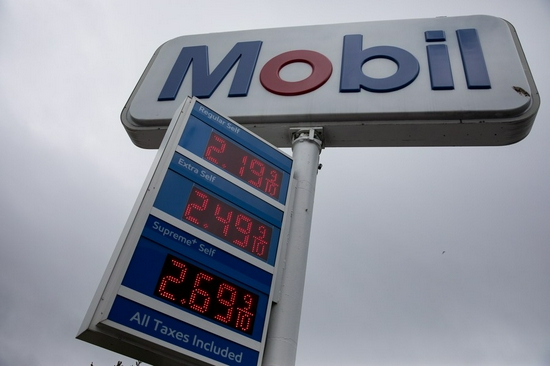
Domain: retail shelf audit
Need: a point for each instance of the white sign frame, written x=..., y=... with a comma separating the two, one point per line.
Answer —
x=414, y=115
x=98, y=327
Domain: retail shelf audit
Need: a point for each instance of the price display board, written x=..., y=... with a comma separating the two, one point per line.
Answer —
x=192, y=278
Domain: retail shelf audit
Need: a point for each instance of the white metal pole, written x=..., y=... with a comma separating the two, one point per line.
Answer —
x=284, y=323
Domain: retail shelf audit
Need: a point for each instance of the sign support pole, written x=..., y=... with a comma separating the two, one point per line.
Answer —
x=284, y=323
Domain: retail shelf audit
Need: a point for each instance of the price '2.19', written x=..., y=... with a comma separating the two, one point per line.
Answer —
x=243, y=165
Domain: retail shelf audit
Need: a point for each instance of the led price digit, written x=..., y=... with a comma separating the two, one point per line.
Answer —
x=190, y=287
x=243, y=165
x=228, y=223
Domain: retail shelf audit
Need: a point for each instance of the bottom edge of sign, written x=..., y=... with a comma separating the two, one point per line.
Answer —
x=401, y=133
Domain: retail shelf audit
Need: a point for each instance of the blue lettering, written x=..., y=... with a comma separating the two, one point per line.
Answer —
x=439, y=63
x=204, y=83
x=352, y=78
x=441, y=76
x=475, y=68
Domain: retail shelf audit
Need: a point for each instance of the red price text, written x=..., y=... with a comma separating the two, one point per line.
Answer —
x=243, y=165
x=228, y=223
x=190, y=287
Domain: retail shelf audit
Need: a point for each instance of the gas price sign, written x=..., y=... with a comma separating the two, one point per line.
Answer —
x=244, y=166
x=191, y=280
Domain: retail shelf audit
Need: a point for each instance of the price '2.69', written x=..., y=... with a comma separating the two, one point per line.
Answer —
x=187, y=286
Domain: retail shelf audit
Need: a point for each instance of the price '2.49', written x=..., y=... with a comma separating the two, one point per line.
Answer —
x=228, y=223
x=200, y=291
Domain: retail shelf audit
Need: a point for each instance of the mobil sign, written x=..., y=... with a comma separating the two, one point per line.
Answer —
x=422, y=82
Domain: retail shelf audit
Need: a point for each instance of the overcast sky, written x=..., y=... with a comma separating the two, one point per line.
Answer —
x=379, y=291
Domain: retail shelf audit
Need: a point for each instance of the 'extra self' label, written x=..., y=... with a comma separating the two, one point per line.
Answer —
x=342, y=76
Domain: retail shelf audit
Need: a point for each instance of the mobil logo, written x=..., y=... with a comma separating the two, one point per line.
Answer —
x=244, y=56
x=410, y=82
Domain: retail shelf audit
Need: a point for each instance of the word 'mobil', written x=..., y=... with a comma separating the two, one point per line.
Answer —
x=352, y=78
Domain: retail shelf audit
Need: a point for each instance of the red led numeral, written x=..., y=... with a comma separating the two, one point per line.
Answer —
x=244, y=317
x=222, y=220
x=217, y=149
x=171, y=279
x=260, y=244
x=257, y=168
x=225, y=291
x=271, y=186
x=241, y=169
x=243, y=224
x=194, y=206
x=189, y=287
x=200, y=292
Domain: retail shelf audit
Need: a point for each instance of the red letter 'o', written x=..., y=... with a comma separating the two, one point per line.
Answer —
x=270, y=79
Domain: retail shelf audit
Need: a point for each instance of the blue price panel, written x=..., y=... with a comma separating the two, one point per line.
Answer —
x=234, y=150
x=189, y=284
x=177, y=268
x=160, y=326
x=198, y=197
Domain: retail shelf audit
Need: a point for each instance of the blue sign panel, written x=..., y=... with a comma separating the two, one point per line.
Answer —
x=194, y=273
x=188, y=284
x=165, y=328
x=238, y=152
x=247, y=222
x=178, y=241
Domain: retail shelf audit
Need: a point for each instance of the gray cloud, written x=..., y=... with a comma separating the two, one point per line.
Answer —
x=379, y=291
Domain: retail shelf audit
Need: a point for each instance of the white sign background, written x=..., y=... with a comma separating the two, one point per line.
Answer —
x=269, y=114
